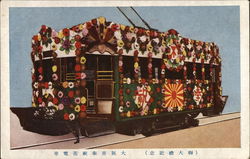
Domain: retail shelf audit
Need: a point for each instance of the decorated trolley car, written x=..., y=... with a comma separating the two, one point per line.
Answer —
x=131, y=77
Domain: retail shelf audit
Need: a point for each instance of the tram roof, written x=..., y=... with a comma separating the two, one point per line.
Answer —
x=99, y=36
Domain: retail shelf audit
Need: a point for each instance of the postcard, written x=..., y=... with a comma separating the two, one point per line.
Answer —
x=116, y=79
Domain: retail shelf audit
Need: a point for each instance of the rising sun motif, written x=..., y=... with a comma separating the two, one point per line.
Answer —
x=173, y=95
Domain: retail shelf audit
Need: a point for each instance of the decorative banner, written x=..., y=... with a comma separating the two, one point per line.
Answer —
x=142, y=98
x=174, y=96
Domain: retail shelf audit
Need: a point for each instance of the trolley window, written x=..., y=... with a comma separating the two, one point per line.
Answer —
x=128, y=66
x=156, y=68
x=104, y=63
x=174, y=74
x=190, y=74
x=207, y=72
x=143, y=63
x=198, y=71
x=47, y=71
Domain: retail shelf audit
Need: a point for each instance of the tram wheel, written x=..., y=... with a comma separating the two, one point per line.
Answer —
x=194, y=115
x=148, y=130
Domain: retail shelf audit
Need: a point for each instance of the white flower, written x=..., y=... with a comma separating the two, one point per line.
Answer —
x=121, y=109
x=50, y=104
x=35, y=85
x=156, y=40
x=71, y=84
x=71, y=116
x=50, y=85
x=143, y=38
x=118, y=35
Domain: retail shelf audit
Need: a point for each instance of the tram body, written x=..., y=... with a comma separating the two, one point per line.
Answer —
x=130, y=76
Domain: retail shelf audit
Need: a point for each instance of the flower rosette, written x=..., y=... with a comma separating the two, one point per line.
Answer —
x=45, y=33
x=66, y=41
x=175, y=58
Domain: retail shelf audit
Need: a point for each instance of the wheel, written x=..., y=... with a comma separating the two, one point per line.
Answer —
x=133, y=131
x=194, y=115
x=148, y=130
x=185, y=122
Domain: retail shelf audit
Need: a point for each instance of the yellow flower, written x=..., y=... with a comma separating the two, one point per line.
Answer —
x=132, y=29
x=184, y=53
x=122, y=27
x=120, y=43
x=177, y=60
x=56, y=107
x=77, y=108
x=101, y=20
x=54, y=68
x=170, y=41
x=164, y=43
x=162, y=34
x=80, y=26
x=149, y=88
x=60, y=35
x=83, y=100
x=149, y=47
x=39, y=37
x=208, y=104
x=203, y=69
x=65, y=84
x=128, y=114
x=33, y=104
x=155, y=111
x=83, y=60
x=136, y=65
x=202, y=55
x=54, y=47
x=147, y=32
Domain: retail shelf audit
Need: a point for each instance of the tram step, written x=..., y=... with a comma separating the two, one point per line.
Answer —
x=98, y=128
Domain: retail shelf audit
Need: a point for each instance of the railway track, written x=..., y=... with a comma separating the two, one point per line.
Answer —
x=100, y=141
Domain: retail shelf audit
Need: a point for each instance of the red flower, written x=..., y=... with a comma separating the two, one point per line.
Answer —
x=94, y=21
x=151, y=100
x=46, y=85
x=55, y=100
x=136, y=53
x=89, y=25
x=35, y=37
x=158, y=90
x=78, y=52
x=120, y=92
x=78, y=75
x=66, y=116
x=77, y=37
x=77, y=68
x=143, y=81
x=66, y=32
x=40, y=100
x=172, y=31
x=57, y=40
x=76, y=28
x=163, y=66
x=71, y=94
x=83, y=108
x=40, y=70
x=78, y=44
x=114, y=27
x=43, y=28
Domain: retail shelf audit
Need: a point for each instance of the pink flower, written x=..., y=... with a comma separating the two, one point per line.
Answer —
x=54, y=34
x=60, y=106
x=85, y=32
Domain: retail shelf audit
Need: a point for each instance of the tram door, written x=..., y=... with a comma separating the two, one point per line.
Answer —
x=100, y=84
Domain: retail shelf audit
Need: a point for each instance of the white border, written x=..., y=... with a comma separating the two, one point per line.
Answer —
x=242, y=152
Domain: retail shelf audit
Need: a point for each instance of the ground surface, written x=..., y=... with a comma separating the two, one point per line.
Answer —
x=208, y=135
